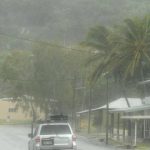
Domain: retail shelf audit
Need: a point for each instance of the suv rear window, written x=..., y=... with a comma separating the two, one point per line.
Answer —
x=55, y=129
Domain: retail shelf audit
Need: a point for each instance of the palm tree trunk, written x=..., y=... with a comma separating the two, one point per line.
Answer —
x=142, y=79
x=89, y=115
x=125, y=94
x=123, y=90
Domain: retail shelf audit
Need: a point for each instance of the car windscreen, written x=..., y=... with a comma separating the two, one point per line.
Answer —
x=55, y=129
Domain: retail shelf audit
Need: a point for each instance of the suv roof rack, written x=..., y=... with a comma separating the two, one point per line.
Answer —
x=59, y=118
x=54, y=118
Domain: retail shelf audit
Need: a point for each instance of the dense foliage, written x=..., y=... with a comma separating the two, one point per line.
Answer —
x=61, y=20
x=58, y=79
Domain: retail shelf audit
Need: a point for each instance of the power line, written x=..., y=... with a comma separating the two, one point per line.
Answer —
x=41, y=80
x=44, y=42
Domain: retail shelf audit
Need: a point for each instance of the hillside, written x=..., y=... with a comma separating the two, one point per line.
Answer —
x=65, y=21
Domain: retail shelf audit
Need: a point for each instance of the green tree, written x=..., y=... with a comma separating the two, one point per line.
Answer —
x=101, y=40
x=53, y=70
x=16, y=72
x=129, y=56
x=131, y=53
x=98, y=40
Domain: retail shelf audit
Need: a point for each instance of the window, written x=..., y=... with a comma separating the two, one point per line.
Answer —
x=55, y=129
x=12, y=110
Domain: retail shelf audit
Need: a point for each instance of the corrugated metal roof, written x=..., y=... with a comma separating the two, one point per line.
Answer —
x=132, y=109
x=135, y=117
x=84, y=111
x=119, y=104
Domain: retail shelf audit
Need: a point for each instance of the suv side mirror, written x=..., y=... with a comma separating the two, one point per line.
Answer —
x=30, y=135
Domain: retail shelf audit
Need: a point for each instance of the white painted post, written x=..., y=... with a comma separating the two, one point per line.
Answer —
x=135, y=137
x=144, y=128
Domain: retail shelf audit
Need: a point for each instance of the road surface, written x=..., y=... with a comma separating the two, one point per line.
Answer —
x=15, y=138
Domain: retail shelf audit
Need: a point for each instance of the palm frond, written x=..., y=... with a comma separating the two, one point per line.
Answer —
x=131, y=32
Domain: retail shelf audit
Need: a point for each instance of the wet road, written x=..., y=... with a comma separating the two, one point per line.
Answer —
x=15, y=138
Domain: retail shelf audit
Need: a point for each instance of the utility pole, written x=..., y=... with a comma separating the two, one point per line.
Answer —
x=107, y=110
x=89, y=116
x=73, y=103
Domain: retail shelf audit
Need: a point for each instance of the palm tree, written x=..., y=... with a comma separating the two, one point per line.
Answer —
x=121, y=51
x=132, y=48
x=125, y=49
x=130, y=57
x=98, y=40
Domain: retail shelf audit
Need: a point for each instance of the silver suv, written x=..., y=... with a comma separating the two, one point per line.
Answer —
x=53, y=136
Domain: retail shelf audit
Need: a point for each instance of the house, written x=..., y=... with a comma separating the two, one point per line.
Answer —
x=127, y=118
x=10, y=113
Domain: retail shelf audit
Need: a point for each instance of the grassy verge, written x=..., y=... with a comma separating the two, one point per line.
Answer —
x=15, y=122
x=140, y=146
x=143, y=146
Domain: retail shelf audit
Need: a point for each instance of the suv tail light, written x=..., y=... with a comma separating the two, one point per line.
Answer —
x=74, y=137
x=37, y=139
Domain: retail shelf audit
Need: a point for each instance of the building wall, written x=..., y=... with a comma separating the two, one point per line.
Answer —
x=8, y=112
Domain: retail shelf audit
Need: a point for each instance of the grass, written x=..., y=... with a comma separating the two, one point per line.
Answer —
x=143, y=146
x=15, y=122
x=140, y=146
